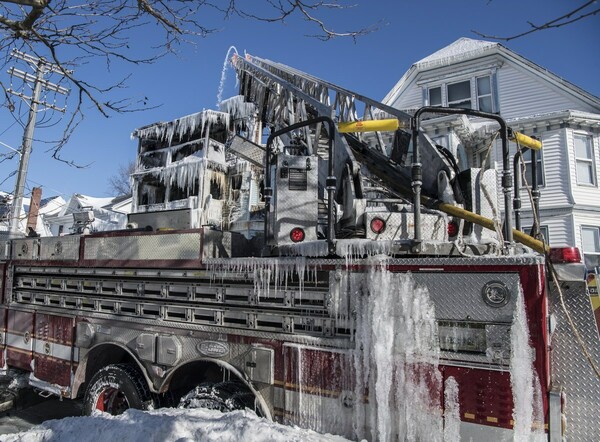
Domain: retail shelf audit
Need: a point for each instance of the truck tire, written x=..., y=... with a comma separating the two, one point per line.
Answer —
x=116, y=388
x=223, y=396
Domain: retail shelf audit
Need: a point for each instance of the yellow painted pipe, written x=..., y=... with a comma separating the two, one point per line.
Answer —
x=368, y=126
x=519, y=236
x=526, y=141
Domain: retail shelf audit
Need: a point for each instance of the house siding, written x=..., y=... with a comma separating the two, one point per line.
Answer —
x=522, y=94
x=555, y=191
x=411, y=98
x=559, y=224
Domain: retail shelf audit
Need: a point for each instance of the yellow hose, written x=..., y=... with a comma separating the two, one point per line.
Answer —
x=519, y=236
x=368, y=126
x=526, y=141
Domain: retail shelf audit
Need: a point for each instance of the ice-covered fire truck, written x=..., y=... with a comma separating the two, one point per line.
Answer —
x=344, y=274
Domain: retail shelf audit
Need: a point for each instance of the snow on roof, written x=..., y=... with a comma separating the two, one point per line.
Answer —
x=169, y=425
x=95, y=203
x=461, y=49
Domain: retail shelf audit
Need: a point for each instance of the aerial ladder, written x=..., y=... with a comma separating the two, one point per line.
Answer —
x=387, y=141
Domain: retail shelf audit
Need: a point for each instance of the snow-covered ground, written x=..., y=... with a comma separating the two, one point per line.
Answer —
x=167, y=424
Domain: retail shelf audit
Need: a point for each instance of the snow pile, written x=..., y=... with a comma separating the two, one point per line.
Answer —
x=166, y=425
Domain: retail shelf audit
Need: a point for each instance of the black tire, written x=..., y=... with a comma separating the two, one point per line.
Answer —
x=224, y=396
x=116, y=388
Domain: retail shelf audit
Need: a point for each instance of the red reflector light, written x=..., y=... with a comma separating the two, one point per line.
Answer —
x=452, y=228
x=565, y=254
x=377, y=225
x=297, y=234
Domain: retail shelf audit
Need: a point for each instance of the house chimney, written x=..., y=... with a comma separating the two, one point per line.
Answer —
x=34, y=208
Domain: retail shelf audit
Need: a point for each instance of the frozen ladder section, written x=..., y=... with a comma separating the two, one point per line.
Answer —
x=284, y=96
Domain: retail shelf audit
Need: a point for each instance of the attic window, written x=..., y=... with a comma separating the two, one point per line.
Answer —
x=459, y=94
x=435, y=96
x=474, y=93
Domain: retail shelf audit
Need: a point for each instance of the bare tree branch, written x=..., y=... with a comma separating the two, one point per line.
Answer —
x=119, y=183
x=558, y=22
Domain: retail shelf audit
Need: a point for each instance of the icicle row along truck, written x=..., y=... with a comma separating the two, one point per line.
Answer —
x=347, y=276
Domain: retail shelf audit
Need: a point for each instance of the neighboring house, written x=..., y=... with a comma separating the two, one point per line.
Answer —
x=489, y=77
x=105, y=214
x=48, y=207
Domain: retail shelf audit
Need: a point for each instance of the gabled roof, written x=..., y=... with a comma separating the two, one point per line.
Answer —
x=465, y=49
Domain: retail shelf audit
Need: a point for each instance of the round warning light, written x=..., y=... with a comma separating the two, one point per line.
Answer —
x=297, y=234
x=377, y=225
x=452, y=228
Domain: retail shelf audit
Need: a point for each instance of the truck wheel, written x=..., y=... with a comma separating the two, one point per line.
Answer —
x=115, y=389
x=224, y=396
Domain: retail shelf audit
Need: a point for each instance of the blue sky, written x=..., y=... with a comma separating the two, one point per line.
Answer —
x=187, y=83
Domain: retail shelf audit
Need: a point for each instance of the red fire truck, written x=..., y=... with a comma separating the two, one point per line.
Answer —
x=344, y=275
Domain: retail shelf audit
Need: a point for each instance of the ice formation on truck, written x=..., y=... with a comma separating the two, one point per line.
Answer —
x=308, y=253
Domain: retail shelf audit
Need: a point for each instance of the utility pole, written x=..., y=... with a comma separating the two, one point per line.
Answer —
x=42, y=67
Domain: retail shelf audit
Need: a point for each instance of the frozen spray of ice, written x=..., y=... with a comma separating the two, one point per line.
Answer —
x=523, y=378
x=451, y=411
x=396, y=359
x=224, y=73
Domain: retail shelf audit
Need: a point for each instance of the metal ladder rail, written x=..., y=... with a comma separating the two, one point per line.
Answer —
x=318, y=90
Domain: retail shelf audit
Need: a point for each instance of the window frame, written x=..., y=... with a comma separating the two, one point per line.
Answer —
x=541, y=175
x=596, y=252
x=544, y=230
x=474, y=95
x=480, y=96
x=589, y=161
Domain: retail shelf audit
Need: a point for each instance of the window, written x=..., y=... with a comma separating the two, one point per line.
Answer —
x=584, y=159
x=435, y=96
x=460, y=94
x=543, y=231
x=590, y=243
x=484, y=94
x=539, y=168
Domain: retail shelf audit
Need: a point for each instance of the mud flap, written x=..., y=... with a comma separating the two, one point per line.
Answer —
x=570, y=369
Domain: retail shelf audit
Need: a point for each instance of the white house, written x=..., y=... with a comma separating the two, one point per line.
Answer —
x=487, y=76
x=49, y=207
x=105, y=214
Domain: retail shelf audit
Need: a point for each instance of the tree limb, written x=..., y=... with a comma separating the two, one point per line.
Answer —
x=558, y=22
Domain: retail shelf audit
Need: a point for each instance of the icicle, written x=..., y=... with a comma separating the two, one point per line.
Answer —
x=182, y=126
x=523, y=378
x=451, y=411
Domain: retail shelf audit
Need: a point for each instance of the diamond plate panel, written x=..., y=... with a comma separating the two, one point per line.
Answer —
x=144, y=247
x=25, y=249
x=248, y=150
x=570, y=368
x=296, y=208
x=59, y=248
x=457, y=296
